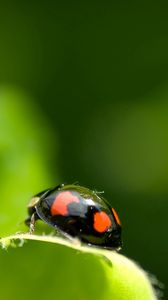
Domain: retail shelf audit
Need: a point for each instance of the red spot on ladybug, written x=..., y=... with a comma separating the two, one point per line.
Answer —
x=116, y=216
x=60, y=203
x=102, y=222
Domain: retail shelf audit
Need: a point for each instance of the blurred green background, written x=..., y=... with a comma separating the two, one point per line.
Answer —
x=83, y=97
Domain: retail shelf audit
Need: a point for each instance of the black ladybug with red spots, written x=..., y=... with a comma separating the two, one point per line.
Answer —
x=77, y=212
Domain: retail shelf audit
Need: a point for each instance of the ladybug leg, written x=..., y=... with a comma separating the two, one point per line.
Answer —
x=31, y=222
x=27, y=221
x=73, y=240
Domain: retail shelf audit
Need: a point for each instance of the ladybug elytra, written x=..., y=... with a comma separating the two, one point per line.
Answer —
x=77, y=212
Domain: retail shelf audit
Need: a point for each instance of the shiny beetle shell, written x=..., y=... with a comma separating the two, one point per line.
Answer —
x=77, y=212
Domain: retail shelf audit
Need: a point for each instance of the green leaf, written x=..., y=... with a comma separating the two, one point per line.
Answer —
x=124, y=279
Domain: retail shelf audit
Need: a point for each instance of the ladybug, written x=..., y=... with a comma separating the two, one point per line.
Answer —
x=77, y=212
